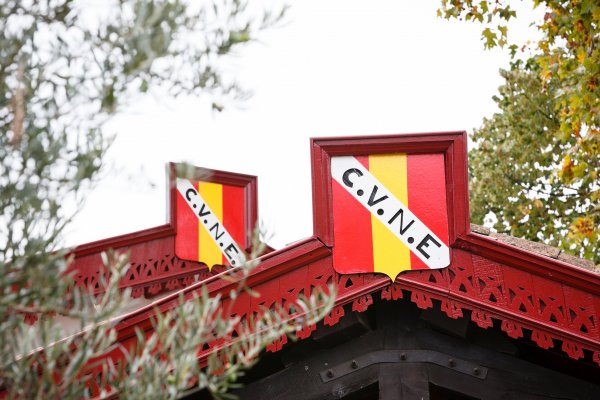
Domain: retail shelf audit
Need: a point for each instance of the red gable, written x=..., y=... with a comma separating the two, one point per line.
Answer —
x=534, y=292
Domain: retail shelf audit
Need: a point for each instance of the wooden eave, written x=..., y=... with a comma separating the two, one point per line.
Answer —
x=545, y=299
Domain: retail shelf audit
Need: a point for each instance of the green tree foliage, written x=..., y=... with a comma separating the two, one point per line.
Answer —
x=549, y=127
x=64, y=70
x=63, y=75
x=515, y=166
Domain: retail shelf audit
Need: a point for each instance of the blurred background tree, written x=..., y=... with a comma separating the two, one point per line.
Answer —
x=535, y=166
x=66, y=67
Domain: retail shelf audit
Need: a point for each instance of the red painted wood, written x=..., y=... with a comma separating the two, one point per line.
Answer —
x=530, y=262
x=472, y=282
x=251, y=210
x=535, y=297
x=321, y=189
x=271, y=267
x=517, y=266
x=126, y=240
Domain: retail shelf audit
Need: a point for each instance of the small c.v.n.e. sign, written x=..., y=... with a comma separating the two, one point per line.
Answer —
x=209, y=235
x=215, y=215
x=389, y=213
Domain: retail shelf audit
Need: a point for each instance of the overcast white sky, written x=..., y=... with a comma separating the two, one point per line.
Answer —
x=343, y=67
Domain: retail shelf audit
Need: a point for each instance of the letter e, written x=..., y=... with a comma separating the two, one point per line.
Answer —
x=230, y=248
x=423, y=243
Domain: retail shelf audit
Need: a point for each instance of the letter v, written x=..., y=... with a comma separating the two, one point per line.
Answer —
x=202, y=213
x=372, y=201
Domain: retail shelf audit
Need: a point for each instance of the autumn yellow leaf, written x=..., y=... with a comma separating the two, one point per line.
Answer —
x=581, y=55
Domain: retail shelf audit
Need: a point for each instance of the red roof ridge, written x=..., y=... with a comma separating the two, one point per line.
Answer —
x=537, y=248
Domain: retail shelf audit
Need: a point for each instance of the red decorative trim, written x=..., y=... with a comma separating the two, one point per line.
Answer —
x=512, y=329
x=482, y=319
x=334, y=316
x=519, y=299
x=534, y=263
x=596, y=357
x=30, y=318
x=362, y=303
x=452, y=309
x=306, y=331
x=543, y=339
x=572, y=349
x=528, y=294
x=522, y=301
x=391, y=292
x=265, y=279
x=277, y=344
x=422, y=300
x=124, y=241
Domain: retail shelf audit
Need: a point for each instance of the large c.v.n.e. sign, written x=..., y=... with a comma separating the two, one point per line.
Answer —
x=389, y=213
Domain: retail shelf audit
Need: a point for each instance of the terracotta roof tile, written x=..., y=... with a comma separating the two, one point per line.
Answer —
x=579, y=262
x=482, y=230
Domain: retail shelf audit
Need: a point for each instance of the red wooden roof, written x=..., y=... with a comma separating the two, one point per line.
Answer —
x=533, y=290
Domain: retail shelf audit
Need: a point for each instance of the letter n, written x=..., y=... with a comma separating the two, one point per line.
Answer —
x=216, y=228
x=403, y=228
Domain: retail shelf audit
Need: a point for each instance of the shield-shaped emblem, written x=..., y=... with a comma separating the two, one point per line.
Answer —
x=214, y=219
x=389, y=213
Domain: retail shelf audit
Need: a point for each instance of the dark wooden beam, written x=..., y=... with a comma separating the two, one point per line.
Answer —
x=408, y=358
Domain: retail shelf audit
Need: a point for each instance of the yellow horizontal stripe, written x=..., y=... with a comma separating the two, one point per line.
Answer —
x=208, y=251
x=390, y=255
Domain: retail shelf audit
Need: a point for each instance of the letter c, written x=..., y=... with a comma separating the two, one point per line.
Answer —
x=345, y=178
x=187, y=193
